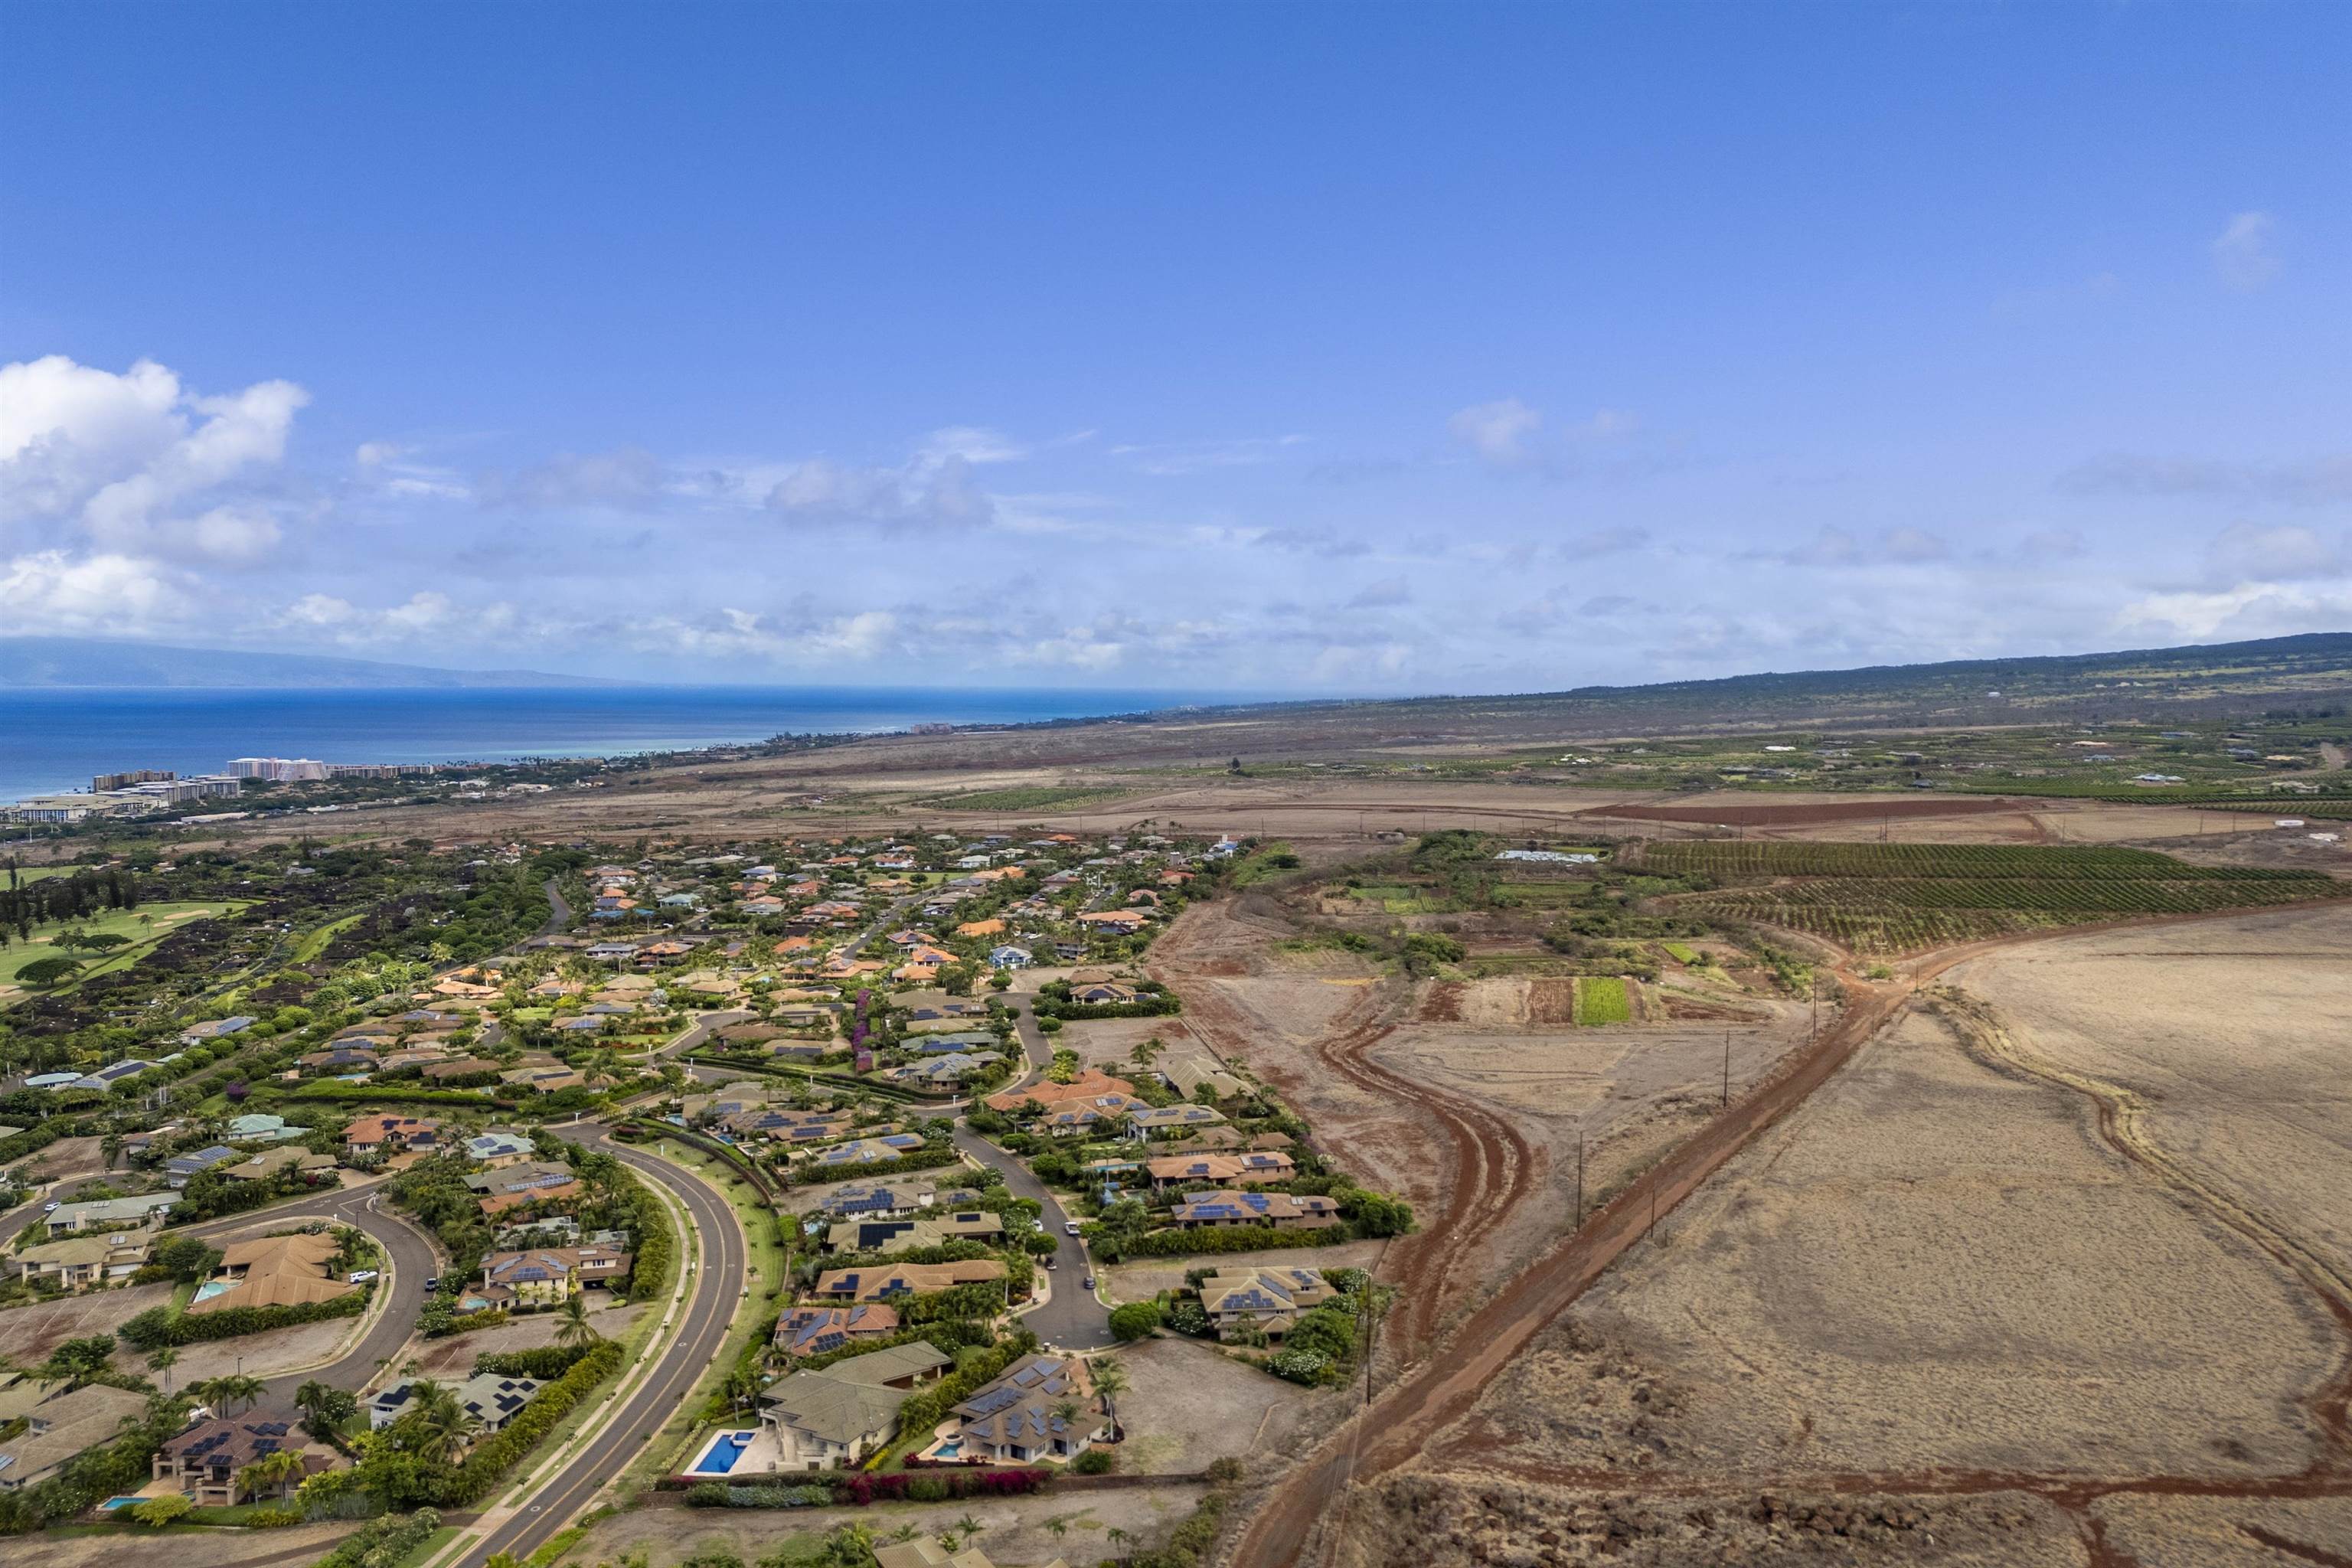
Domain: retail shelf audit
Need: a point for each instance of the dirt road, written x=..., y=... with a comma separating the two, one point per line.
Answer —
x=1442, y=1390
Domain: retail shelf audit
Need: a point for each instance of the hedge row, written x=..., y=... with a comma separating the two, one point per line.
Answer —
x=1230, y=1238
x=544, y=1364
x=158, y=1326
x=379, y=1094
x=496, y=1454
x=933, y=1486
x=717, y=1494
x=928, y=1408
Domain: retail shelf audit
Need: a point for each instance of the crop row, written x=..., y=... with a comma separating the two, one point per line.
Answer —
x=1762, y=857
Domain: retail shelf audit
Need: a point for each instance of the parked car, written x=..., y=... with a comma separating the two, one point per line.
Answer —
x=432, y=1283
x=362, y=1276
x=1070, y=1227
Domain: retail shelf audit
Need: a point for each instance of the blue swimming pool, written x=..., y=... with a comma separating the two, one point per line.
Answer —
x=720, y=1456
x=211, y=1288
x=110, y=1504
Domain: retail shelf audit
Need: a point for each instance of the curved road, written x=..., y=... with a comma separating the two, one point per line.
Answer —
x=716, y=1288
x=412, y=1261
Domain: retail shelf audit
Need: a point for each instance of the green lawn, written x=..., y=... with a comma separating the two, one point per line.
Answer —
x=145, y=926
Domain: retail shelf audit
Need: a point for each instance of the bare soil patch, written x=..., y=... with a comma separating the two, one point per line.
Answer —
x=453, y=1357
x=1932, y=1266
x=1191, y=1404
x=2236, y=1034
x=1012, y=1529
x=27, y=1334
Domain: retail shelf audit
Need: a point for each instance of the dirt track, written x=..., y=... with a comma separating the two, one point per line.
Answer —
x=1440, y=1390
x=1492, y=1166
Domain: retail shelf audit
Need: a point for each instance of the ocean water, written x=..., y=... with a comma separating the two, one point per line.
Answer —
x=54, y=740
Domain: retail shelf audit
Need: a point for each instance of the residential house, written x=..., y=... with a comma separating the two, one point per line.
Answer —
x=78, y=1261
x=1045, y=1095
x=273, y=1271
x=256, y=1127
x=924, y=1552
x=57, y=1429
x=1188, y=1073
x=210, y=1459
x=1103, y=993
x=820, y=1330
x=378, y=1133
x=459, y=1067
x=848, y=1156
x=214, y=1030
x=112, y=1073
x=1220, y=1170
x=1013, y=1419
x=542, y=1276
x=1268, y=1300
x=1166, y=1120
x=144, y=1212
x=498, y=1150
x=180, y=1167
x=1009, y=957
x=1118, y=923
x=839, y=1416
x=532, y=1182
x=491, y=1400
x=890, y=1237
x=885, y=1282
x=339, y=1060
x=860, y=1200
x=271, y=1161
x=1283, y=1211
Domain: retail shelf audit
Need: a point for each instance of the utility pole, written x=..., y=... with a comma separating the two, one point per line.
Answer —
x=1726, y=1067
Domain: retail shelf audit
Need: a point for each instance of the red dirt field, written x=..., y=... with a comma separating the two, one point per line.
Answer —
x=1812, y=814
x=1437, y=1392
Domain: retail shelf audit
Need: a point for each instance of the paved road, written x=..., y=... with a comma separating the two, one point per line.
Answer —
x=413, y=1261
x=32, y=1208
x=1072, y=1319
x=716, y=1288
x=559, y=912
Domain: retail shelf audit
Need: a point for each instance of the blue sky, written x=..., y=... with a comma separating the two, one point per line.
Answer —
x=1281, y=347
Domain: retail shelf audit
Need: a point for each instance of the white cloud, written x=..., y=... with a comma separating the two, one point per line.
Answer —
x=116, y=595
x=2245, y=610
x=426, y=615
x=2243, y=254
x=1496, y=431
x=1386, y=593
x=2311, y=482
x=2247, y=552
x=118, y=455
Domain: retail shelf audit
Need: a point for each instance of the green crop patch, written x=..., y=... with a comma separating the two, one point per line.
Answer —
x=1602, y=999
x=1902, y=897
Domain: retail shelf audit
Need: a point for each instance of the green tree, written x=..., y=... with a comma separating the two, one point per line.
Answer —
x=161, y=1510
x=573, y=1328
x=162, y=1363
x=1134, y=1319
x=80, y=1360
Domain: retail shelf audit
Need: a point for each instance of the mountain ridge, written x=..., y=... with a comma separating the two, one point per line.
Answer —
x=48, y=663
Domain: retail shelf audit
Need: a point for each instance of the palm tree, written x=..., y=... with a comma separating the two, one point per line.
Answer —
x=235, y=1388
x=1065, y=1411
x=270, y=1472
x=1057, y=1527
x=162, y=1361
x=437, y=1421
x=1110, y=1382
x=572, y=1330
